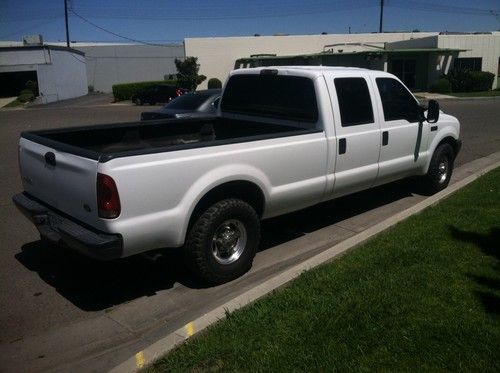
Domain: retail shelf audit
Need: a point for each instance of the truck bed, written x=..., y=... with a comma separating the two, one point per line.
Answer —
x=105, y=142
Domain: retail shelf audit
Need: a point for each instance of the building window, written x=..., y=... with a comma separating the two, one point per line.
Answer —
x=354, y=101
x=471, y=64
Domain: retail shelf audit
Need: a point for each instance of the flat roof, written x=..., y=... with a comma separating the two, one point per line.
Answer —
x=370, y=52
x=41, y=47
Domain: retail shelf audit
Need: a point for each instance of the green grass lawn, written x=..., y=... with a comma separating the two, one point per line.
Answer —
x=424, y=295
x=476, y=94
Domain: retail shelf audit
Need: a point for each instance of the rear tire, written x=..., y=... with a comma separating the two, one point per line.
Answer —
x=440, y=169
x=223, y=241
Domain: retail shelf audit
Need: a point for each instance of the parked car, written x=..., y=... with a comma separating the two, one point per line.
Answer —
x=189, y=105
x=158, y=93
x=285, y=138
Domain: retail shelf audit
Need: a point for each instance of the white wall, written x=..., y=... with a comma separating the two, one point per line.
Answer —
x=486, y=46
x=65, y=77
x=217, y=55
x=113, y=64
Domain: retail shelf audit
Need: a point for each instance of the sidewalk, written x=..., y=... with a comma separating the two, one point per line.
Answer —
x=6, y=100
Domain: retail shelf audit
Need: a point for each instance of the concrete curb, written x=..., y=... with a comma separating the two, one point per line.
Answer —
x=164, y=345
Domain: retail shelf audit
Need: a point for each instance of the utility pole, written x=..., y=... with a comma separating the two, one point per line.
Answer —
x=66, y=19
x=381, y=15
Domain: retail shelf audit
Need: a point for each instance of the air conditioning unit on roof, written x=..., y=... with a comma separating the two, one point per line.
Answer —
x=32, y=40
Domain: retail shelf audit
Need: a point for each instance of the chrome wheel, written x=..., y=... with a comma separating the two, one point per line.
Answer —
x=229, y=241
x=443, y=170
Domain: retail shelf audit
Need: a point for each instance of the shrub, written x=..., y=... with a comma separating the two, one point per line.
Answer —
x=482, y=80
x=32, y=86
x=440, y=86
x=214, y=83
x=187, y=73
x=26, y=97
x=469, y=81
x=127, y=90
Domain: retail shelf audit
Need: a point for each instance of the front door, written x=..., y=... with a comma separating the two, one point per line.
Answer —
x=406, y=70
x=403, y=136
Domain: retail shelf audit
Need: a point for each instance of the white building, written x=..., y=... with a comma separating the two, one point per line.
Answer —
x=60, y=72
x=419, y=57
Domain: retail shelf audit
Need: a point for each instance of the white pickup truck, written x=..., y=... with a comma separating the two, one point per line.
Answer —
x=285, y=138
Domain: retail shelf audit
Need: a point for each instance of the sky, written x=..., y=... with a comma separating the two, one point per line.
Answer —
x=167, y=21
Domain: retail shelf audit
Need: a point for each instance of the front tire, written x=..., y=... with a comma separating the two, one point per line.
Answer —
x=440, y=169
x=223, y=241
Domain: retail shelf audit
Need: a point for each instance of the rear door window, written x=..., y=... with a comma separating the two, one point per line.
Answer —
x=274, y=96
x=354, y=101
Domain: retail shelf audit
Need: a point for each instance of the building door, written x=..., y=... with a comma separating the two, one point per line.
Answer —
x=405, y=69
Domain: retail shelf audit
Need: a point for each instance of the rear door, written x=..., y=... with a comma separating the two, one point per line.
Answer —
x=62, y=180
x=357, y=131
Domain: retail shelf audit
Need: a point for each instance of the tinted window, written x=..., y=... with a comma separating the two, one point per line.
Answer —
x=354, y=101
x=397, y=102
x=188, y=101
x=275, y=96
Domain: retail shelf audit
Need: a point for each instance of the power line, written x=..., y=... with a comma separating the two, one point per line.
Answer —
x=214, y=13
x=114, y=33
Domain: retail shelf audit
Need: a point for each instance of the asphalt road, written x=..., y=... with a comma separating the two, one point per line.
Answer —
x=62, y=311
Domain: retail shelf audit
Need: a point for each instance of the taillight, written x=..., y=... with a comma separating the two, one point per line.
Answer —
x=108, y=200
x=178, y=92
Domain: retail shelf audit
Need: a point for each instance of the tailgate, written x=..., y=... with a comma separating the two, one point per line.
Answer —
x=64, y=181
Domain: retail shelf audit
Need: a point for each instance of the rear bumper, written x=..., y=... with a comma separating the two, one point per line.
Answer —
x=59, y=229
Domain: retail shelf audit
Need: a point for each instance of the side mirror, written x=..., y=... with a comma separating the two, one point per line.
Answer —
x=432, y=111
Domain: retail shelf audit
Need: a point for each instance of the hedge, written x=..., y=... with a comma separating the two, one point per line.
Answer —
x=440, y=86
x=127, y=90
x=470, y=81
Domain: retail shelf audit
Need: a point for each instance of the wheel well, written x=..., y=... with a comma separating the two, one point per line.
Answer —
x=244, y=190
x=452, y=142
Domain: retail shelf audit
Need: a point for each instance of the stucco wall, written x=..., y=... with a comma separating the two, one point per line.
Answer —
x=113, y=64
x=65, y=77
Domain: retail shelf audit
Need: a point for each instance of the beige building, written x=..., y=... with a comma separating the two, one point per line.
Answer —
x=418, y=58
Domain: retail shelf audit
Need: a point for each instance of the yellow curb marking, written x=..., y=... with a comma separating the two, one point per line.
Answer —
x=139, y=359
x=189, y=329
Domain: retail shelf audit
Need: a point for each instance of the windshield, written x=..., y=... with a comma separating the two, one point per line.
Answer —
x=190, y=101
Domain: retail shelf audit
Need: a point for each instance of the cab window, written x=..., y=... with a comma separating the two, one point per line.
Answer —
x=397, y=102
x=354, y=101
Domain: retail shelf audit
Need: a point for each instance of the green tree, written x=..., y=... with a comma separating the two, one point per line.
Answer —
x=187, y=73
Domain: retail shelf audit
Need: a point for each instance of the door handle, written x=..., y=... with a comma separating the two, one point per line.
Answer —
x=342, y=146
x=385, y=138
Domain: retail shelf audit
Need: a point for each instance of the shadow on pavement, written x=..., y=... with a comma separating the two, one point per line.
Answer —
x=489, y=245
x=92, y=285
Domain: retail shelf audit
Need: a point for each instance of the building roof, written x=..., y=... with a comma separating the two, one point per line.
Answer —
x=366, y=52
x=41, y=47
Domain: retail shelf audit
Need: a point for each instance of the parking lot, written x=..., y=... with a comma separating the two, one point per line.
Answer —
x=61, y=310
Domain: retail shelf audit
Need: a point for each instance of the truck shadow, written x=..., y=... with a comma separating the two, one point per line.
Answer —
x=92, y=285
